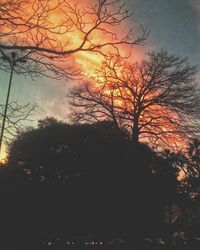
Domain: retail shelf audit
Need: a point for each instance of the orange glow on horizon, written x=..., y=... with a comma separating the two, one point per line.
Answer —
x=3, y=156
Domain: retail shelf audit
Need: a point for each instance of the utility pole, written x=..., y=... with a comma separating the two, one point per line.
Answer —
x=13, y=62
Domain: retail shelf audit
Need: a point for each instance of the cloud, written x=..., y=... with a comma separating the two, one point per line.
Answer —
x=51, y=99
x=53, y=107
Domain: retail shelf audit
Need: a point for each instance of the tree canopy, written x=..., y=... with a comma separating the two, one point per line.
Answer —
x=55, y=151
x=89, y=178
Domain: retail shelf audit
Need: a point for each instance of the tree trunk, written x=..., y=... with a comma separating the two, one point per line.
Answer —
x=135, y=130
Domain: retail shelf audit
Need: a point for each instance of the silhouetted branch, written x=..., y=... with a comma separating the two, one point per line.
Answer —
x=157, y=100
x=48, y=33
x=16, y=115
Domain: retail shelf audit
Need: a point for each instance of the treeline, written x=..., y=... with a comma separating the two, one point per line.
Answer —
x=82, y=179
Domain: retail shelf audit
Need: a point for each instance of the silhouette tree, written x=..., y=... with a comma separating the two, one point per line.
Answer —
x=194, y=158
x=48, y=33
x=156, y=100
x=109, y=181
x=190, y=164
x=63, y=149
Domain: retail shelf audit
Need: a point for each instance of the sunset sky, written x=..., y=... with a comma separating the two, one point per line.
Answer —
x=174, y=25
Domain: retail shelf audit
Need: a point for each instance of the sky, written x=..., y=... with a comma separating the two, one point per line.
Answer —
x=174, y=25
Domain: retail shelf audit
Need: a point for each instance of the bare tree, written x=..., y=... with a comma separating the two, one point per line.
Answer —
x=15, y=118
x=157, y=100
x=49, y=32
